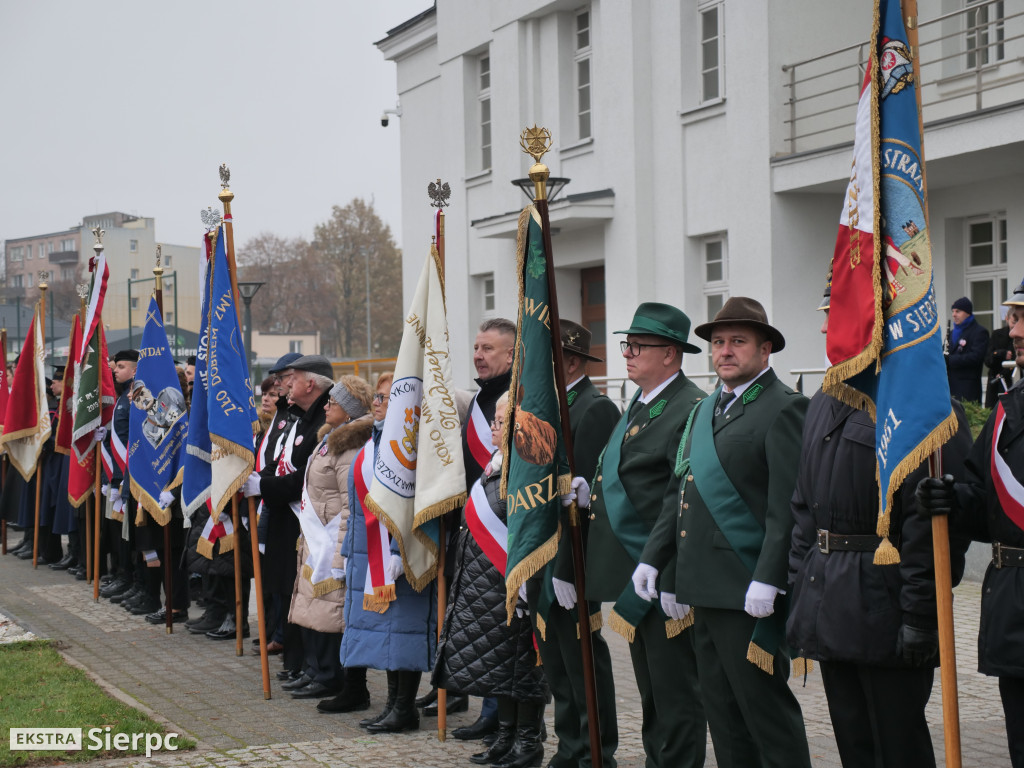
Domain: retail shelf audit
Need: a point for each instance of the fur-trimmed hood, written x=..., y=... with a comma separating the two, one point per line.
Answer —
x=352, y=434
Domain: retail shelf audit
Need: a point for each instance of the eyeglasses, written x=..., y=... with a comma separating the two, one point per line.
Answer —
x=379, y=398
x=495, y=424
x=635, y=347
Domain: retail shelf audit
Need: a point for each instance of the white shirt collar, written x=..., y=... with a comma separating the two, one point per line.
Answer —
x=570, y=386
x=657, y=390
x=742, y=388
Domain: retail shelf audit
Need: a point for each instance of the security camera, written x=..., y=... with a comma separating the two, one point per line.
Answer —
x=384, y=119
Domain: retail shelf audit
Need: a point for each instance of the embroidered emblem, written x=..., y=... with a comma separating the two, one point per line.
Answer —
x=323, y=449
x=657, y=408
x=298, y=440
x=751, y=394
x=571, y=397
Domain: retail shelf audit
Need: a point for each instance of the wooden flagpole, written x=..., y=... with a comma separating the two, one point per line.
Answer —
x=940, y=523
x=158, y=277
x=3, y=459
x=442, y=586
x=83, y=291
x=97, y=494
x=536, y=142
x=226, y=196
x=43, y=278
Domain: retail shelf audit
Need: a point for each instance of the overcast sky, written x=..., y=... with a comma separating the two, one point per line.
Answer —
x=127, y=105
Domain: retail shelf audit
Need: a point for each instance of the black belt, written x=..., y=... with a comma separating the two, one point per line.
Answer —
x=1004, y=556
x=847, y=542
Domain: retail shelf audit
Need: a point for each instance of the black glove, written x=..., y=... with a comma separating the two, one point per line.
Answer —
x=918, y=647
x=936, y=496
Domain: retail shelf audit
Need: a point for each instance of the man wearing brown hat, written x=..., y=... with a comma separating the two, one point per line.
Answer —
x=309, y=380
x=552, y=598
x=727, y=535
x=633, y=485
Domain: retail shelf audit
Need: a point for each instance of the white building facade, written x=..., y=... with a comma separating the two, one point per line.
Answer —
x=708, y=144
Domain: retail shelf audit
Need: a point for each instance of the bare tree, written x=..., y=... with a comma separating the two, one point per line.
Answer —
x=283, y=265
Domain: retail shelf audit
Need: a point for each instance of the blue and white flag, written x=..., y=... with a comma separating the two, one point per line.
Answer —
x=195, y=486
x=231, y=405
x=158, y=422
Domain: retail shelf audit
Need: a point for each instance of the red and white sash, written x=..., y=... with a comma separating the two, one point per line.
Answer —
x=478, y=434
x=120, y=450
x=1008, y=489
x=222, y=530
x=378, y=589
x=284, y=464
x=488, y=531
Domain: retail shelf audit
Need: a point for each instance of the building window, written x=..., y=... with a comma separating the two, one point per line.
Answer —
x=67, y=244
x=167, y=260
x=985, y=33
x=484, y=98
x=67, y=273
x=16, y=253
x=582, y=59
x=133, y=246
x=716, y=277
x=489, y=293
x=985, y=272
x=28, y=252
x=49, y=247
x=135, y=274
x=295, y=345
x=28, y=279
x=170, y=317
x=17, y=281
x=135, y=302
x=712, y=56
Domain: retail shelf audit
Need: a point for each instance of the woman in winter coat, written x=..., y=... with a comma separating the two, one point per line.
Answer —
x=480, y=653
x=399, y=637
x=318, y=599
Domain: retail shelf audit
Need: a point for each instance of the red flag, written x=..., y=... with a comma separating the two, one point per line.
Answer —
x=27, y=420
x=4, y=385
x=65, y=417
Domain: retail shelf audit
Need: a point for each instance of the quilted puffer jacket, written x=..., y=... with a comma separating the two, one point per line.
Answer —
x=479, y=653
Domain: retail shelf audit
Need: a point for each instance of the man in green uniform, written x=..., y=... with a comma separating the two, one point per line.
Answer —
x=634, y=481
x=552, y=597
x=724, y=543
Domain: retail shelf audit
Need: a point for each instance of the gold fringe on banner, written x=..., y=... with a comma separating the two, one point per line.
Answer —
x=227, y=543
x=675, y=627
x=761, y=659
x=324, y=587
x=204, y=547
x=620, y=625
x=542, y=629
x=527, y=567
x=801, y=667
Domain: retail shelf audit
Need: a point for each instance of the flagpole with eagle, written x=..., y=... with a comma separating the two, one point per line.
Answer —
x=3, y=411
x=44, y=278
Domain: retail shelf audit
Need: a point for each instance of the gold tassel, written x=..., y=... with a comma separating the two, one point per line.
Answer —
x=526, y=568
x=227, y=543
x=371, y=603
x=204, y=547
x=542, y=629
x=327, y=586
x=621, y=626
x=385, y=592
x=675, y=627
x=761, y=659
x=801, y=667
x=886, y=554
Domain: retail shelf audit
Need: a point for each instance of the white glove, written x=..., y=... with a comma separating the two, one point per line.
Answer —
x=251, y=487
x=105, y=490
x=395, y=569
x=520, y=612
x=643, y=581
x=673, y=609
x=580, y=493
x=115, y=494
x=100, y=433
x=166, y=499
x=565, y=593
x=760, y=601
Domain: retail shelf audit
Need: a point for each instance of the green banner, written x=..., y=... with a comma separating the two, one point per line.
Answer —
x=537, y=471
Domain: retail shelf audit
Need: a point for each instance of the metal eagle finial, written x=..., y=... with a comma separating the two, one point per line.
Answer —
x=225, y=175
x=439, y=193
x=210, y=217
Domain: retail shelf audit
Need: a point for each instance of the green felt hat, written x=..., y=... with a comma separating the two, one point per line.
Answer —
x=654, y=319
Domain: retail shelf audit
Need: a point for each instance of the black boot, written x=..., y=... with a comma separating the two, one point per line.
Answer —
x=506, y=734
x=403, y=716
x=527, y=748
x=392, y=693
x=354, y=697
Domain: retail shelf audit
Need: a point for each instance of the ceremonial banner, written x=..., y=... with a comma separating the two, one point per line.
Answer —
x=27, y=420
x=231, y=406
x=4, y=389
x=158, y=422
x=93, y=397
x=884, y=339
x=196, y=478
x=65, y=410
x=419, y=473
x=536, y=472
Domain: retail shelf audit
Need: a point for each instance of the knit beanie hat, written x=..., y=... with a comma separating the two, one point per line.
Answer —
x=354, y=395
x=964, y=305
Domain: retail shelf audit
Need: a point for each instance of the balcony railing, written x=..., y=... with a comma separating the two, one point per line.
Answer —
x=971, y=60
x=64, y=257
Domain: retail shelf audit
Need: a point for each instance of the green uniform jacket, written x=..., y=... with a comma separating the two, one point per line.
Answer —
x=646, y=469
x=758, y=444
x=592, y=417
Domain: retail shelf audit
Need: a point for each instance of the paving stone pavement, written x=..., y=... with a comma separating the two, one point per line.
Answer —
x=199, y=687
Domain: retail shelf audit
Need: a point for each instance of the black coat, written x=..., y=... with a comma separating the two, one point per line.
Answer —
x=1001, y=632
x=479, y=653
x=843, y=607
x=964, y=361
x=280, y=560
x=999, y=351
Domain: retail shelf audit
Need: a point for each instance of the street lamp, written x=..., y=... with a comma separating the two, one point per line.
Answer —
x=555, y=186
x=247, y=291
